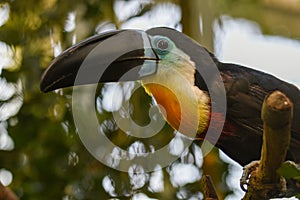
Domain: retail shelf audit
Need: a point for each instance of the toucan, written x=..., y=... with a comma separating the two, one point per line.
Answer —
x=182, y=77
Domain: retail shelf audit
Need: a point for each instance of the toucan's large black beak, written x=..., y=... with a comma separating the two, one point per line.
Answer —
x=109, y=57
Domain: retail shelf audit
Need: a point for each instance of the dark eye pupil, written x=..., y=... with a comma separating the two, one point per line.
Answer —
x=163, y=44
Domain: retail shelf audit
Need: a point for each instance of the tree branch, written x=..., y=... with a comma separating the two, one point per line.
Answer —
x=208, y=188
x=6, y=194
x=265, y=182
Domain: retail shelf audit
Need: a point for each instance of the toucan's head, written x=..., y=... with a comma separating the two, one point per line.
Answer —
x=169, y=64
x=124, y=55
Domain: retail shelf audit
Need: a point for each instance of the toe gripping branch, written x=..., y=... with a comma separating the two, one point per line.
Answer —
x=247, y=171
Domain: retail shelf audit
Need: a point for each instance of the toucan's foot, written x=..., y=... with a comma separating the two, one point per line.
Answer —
x=247, y=170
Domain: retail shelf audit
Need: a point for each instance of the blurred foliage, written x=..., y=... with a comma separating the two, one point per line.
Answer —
x=48, y=160
x=290, y=170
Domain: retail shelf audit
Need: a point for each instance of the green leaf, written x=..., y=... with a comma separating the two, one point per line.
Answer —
x=290, y=170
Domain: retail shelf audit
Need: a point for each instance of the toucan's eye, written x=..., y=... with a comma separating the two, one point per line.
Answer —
x=162, y=44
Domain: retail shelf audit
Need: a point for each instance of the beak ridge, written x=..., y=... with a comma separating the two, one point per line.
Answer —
x=109, y=57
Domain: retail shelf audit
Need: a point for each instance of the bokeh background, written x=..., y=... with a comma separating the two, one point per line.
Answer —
x=41, y=155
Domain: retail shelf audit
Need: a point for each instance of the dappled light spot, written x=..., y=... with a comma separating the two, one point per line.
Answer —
x=137, y=175
x=183, y=193
x=233, y=179
x=129, y=8
x=57, y=111
x=163, y=14
x=75, y=191
x=137, y=149
x=56, y=46
x=108, y=126
x=7, y=90
x=198, y=156
x=6, y=177
x=10, y=108
x=141, y=196
x=10, y=57
x=70, y=24
x=114, y=157
x=73, y=159
x=127, y=89
x=181, y=174
x=4, y=13
x=112, y=97
x=156, y=182
x=176, y=146
x=6, y=142
x=108, y=185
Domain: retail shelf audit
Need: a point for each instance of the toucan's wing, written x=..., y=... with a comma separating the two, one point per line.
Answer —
x=244, y=97
x=246, y=90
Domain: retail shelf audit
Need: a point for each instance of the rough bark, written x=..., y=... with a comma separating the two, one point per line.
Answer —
x=265, y=182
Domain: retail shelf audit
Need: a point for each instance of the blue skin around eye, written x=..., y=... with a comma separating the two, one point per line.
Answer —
x=161, y=53
x=149, y=66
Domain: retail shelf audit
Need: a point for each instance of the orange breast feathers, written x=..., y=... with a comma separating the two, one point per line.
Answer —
x=189, y=117
x=168, y=103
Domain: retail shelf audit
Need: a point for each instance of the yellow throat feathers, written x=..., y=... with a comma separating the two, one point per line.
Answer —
x=182, y=104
